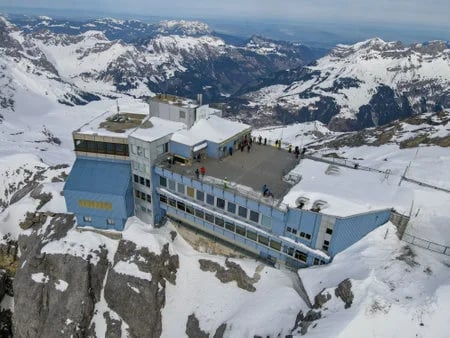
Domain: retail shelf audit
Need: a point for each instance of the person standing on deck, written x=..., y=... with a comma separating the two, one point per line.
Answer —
x=203, y=171
x=197, y=173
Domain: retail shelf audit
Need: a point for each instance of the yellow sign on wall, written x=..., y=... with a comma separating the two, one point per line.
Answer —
x=95, y=204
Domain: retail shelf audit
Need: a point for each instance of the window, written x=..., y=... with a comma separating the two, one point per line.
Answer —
x=254, y=216
x=139, y=150
x=301, y=256
x=101, y=147
x=290, y=251
x=181, y=206
x=181, y=188
x=329, y=231
x=229, y=226
x=190, y=192
x=110, y=221
x=162, y=181
x=199, y=213
x=251, y=235
x=302, y=234
x=147, y=182
x=220, y=203
x=110, y=148
x=325, y=247
x=326, y=242
x=189, y=209
x=172, y=185
x=316, y=261
x=209, y=218
x=219, y=221
x=137, y=193
x=294, y=231
x=182, y=114
x=200, y=196
x=172, y=202
x=231, y=207
x=308, y=236
x=240, y=230
x=162, y=148
x=136, y=178
x=87, y=219
x=289, y=229
x=142, y=180
x=210, y=199
x=91, y=146
x=142, y=196
x=163, y=198
x=263, y=240
x=275, y=245
x=242, y=212
x=149, y=198
x=266, y=221
x=120, y=149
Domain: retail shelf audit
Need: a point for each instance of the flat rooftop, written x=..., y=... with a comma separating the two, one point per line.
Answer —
x=175, y=100
x=115, y=125
x=243, y=170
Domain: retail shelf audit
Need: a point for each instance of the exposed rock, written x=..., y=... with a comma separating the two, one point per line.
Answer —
x=113, y=326
x=58, y=292
x=140, y=299
x=321, y=298
x=43, y=197
x=8, y=257
x=233, y=273
x=220, y=331
x=304, y=321
x=6, y=323
x=3, y=278
x=407, y=256
x=193, y=328
x=344, y=291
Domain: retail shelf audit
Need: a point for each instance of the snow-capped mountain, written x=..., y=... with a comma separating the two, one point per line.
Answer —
x=356, y=86
x=181, y=57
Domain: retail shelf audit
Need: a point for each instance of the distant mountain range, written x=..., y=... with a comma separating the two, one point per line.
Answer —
x=262, y=81
x=356, y=86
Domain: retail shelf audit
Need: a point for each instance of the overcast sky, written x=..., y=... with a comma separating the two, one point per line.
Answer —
x=416, y=12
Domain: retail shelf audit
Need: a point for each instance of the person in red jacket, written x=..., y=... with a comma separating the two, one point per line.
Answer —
x=203, y=171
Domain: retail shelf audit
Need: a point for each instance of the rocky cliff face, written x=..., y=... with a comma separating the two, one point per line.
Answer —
x=60, y=293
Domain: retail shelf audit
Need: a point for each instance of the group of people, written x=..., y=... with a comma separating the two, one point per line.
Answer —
x=245, y=143
x=202, y=172
x=266, y=191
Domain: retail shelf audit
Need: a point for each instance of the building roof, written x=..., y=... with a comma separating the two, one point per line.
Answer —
x=159, y=128
x=102, y=177
x=175, y=100
x=213, y=128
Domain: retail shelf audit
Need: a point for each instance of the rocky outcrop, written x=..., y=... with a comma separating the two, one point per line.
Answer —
x=58, y=292
x=232, y=272
x=193, y=328
x=135, y=287
x=320, y=299
x=344, y=291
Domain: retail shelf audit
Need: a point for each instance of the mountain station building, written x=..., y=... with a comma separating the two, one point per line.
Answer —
x=184, y=161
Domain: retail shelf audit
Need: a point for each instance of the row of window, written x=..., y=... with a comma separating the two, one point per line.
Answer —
x=143, y=196
x=318, y=261
x=219, y=203
x=109, y=221
x=141, y=180
x=298, y=233
x=95, y=204
x=102, y=147
x=230, y=226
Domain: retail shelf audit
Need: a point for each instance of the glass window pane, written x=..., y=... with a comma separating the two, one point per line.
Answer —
x=210, y=199
x=275, y=245
x=254, y=216
x=251, y=235
x=263, y=240
x=219, y=221
x=162, y=181
x=181, y=206
x=200, y=196
x=171, y=185
x=240, y=230
x=180, y=188
x=266, y=221
x=231, y=207
x=189, y=209
x=172, y=202
x=220, y=203
x=209, y=218
x=199, y=213
x=229, y=226
x=163, y=198
x=242, y=212
x=190, y=192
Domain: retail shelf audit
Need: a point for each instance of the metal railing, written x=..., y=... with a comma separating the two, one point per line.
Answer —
x=425, y=244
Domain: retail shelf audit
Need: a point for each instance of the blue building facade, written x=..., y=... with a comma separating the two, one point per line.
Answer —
x=99, y=193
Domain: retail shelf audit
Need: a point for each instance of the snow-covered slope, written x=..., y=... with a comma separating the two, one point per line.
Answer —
x=369, y=83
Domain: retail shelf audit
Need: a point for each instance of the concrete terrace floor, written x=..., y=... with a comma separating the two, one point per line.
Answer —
x=262, y=165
